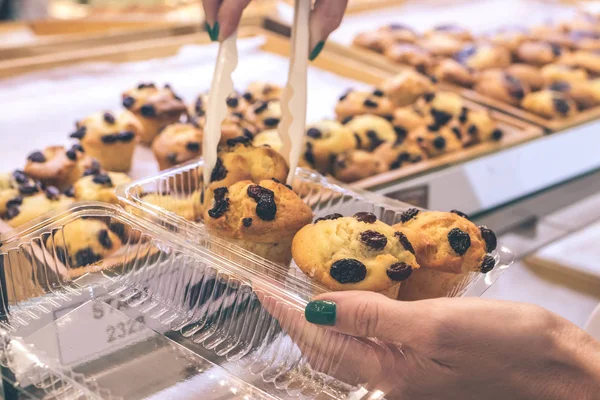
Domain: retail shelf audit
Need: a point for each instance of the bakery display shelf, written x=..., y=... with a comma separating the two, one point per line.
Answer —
x=379, y=61
x=54, y=36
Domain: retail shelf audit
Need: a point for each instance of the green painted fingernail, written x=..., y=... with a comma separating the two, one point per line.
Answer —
x=316, y=51
x=213, y=32
x=320, y=312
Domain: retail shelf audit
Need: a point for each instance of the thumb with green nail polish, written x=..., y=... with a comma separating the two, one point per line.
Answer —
x=325, y=17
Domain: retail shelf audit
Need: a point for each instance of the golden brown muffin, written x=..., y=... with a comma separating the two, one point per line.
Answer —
x=509, y=37
x=441, y=45
x=406, y=87
x=450, y=250
x=446, y=241
x=582, y=93
x=400, y=33
x=176, y=144
x=186, y=207
x=589, y=60
x=501, y=86
x=262, y=91
x=585, y=40
x=528, y=74
x=410, y=54
x=264, y=114
x=538, y=53
x=355, y=165
x=451, y=30
x=232, y=127
x=377, y=40
x=371, y=131
x=100, y=187
x=325, y=140
x=449, y=70
x=57, y=166
x=441, y=106
x=484, y=56
x=354, y=253
x=408, y=118
x=268, y=138
x=24, y=209
x=552, y=73
x=154, y=108
x=13, y=188
x=83, y=242
x=236, y=105
x=354, y=103
x=549, y=104
x=551, y=34
x=394, y=156
x=476, y=126
x=436, y=140
x=109, y=139
x=262, y=218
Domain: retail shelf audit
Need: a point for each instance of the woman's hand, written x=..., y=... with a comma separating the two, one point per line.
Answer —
x=470, y=348
x=223, y=18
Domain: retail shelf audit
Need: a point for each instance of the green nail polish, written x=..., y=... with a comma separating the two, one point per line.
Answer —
x=316, y=51
x=320, y=312
x=213, y=32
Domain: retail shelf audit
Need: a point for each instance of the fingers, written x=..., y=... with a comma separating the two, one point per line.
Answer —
x=223, y=17
x=211, y=8
x=324, y=19
x=368, y=314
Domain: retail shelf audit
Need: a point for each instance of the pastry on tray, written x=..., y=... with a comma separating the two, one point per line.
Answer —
x=155, y=108
x=436, y=140
x=582, y=93
x=378, y=40
x=476, y=126
x=448, y=247
x=530, y=75
x=399, y=33
x=397, y=155
x=410, y=54
x=452, y=71
x=325, y=140
x=355, y=165
x=109, y=138
x=553, y=73
x=441, y=106
x=262, y=218
x=406, y=87
x=509, y=37
x=188, y=207
x=408, y=118
x=502, y=86
x=353, y=103
x=441, y=44
x=268, y=138
x=264, y=114
x=549, y=104
x=100, y=187
x=586, y=59
x=538, y=53
x=58, y=166
x=262, y=91
x=451, y=30
x=370, y=131
x=355, y=253
x=22, y=209
x=484, y=56
x=177, y=143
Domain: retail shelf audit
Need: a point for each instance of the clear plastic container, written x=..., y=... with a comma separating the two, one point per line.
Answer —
x=180, y=184
x=160, y=317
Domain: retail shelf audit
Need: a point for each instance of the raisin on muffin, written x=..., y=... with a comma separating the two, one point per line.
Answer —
x=324, y=141
x=397, y=155
x=22, y=209
x=476, y=126
x=353, y=103
x=436, y=140
x=154, y=108
x=100, y=187
x=262, y=91
x=440, y=107
x=528, y=74
x=109, y=138
x=57, y=166
x=262, y=218
x=354, y=253
x=176, y=144
x=408, y=118
x=582, y=93
x=264, y=114
x=501, y=86
x=370, y=131
x=549, y=104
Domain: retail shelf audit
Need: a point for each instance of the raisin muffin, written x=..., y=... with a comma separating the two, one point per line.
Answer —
x=441, y=45
x=451, y=30
x=408, y=118
x=476, y=126
x=406, y=87
x=538, y=53
x=354, y=253
x=353, y=103
x=100, y=187
x=589, y=60
x=484, y=56
x=400, y=33
x=582, y=93
x=22, y=209
x=395, y=155
x=325, y=139
x=264, y=114
x=262, y=218
x=370, y=131
x=186, y=207
x=13, y=187
x=553, y=73
x=509, y=37
x=448, y=247
x=441, y=106
x=450, y=70
x=378, y=40
x=528, y=74
x=154, y=108
x=198, y=109
x=176, y=144
x=549, y=104
x=436, y=140
x=57, y=166
x=355, y=165
x=233, y=126
x=81, y=243
x=585, y=40
x=109, y=139
x=262, y=91
x=268, y=138
x=410, y=54
x=501, y=86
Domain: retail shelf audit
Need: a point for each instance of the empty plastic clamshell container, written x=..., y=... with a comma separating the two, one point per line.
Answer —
x=101, y=304
x=172, y=196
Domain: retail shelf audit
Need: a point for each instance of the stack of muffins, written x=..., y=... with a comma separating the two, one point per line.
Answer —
x=549, y=70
